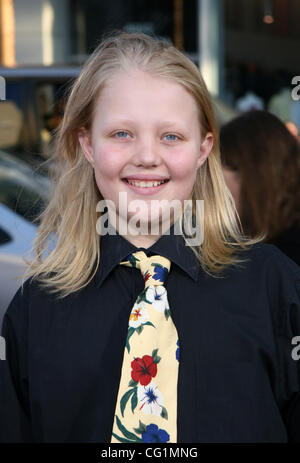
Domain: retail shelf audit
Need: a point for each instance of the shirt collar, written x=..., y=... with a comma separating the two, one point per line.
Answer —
x=114, y=248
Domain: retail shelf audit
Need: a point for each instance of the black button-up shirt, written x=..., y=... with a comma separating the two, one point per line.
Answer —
x=238, y=381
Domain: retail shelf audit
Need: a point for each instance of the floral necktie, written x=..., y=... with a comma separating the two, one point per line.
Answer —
x=146, y=408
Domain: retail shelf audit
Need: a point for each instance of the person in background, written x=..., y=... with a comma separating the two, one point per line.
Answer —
x=261, y=165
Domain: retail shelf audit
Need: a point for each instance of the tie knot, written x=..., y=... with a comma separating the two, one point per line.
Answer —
x=154, y=269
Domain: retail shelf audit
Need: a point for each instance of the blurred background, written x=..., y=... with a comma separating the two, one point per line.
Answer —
x=247, y=51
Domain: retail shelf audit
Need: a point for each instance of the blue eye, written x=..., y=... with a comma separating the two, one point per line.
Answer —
x=122, y=132
x=172, y=135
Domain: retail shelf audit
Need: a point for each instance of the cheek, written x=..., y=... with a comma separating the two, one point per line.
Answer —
x=185, y=167
x=108, y=163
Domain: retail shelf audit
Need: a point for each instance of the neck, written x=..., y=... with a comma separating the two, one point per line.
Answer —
x=143, y=240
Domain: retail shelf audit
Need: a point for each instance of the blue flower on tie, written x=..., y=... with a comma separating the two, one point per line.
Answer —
x=160, y=272
x=177, y=351
x=149, y=434
x=153, y=434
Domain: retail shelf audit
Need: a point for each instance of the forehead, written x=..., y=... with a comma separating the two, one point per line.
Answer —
x=140, y=94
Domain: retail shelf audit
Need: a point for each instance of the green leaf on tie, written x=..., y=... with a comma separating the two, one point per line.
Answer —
x=149, y=323
x=141, y=429
x=133, y=260
x=154, y=352
x=156, y=358
x=167, y=313
x=139, y=329
x=131, y=330
x=164, y=413
x=127, y=433
x=125, y=399
x=132, y=383
x=134, y=401
x=142, y=296
x=157, y=265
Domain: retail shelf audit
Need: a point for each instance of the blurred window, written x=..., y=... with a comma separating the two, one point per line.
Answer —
x=32, y=110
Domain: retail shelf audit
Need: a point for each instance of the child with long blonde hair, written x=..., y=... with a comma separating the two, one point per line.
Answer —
x=139, y=124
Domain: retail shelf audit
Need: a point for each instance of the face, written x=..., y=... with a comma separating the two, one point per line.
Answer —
x=145, y=129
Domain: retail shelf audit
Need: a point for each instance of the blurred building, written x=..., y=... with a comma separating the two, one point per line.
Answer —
x=254, y=34
x=241, y=46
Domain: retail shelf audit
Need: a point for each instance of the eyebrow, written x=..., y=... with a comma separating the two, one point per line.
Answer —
x=161, y=124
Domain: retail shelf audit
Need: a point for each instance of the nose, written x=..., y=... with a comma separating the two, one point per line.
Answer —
x=147, y=153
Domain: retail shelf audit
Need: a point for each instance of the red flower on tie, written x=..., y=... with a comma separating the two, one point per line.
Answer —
x=143, y=369
x=147, y=275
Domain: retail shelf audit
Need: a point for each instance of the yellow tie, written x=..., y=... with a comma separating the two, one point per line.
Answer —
x=146, y=408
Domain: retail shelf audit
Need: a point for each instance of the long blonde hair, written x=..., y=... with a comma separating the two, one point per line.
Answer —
x=70, y=217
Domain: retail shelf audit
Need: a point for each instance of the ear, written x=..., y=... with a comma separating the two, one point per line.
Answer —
x=84, y=139
x=205, y=148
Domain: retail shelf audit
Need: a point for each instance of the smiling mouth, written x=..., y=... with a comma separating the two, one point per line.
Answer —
x=145, y=183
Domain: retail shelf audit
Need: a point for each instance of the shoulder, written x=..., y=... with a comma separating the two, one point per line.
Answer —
x=34, y=304
x=29, y=294
x=263, y=271
x=268, y=266
x=269, y=256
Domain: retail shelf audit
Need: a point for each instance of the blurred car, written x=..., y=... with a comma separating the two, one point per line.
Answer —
x=16, y=238
x=23, y=188
x=23, y=194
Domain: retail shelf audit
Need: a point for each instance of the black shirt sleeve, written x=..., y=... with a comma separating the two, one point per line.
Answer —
x=286, y=296
x=15, y=422
x=290, y=365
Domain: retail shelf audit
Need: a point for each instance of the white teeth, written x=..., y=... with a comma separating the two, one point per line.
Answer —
x=145, y=184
